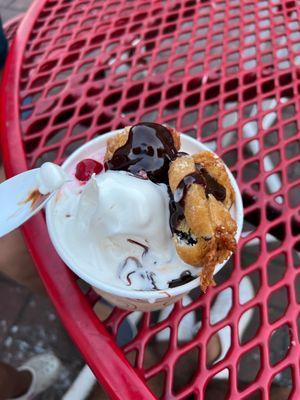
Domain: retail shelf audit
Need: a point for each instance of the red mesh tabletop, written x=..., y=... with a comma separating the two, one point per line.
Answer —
x=225, y=72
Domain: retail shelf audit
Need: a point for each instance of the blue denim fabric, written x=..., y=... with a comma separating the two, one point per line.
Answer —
x=3, y=46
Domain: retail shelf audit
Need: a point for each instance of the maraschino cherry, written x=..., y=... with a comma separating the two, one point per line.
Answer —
x=86, y=168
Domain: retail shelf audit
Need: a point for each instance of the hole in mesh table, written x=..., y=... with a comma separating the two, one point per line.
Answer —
x=297, y=288
x=194, y=84
x=273, y=213
x=276, y=268
x=279, y=344
x=293, y=171
x=229, y=139
x=250, y=227
x=210, y=109
x=282, y=384
x=249, y=324
x=130, y=107
x=225, y=273
x=81, y=126
x=249, y=366
x=288, y=111
x=159, y=316
x=221, y=305
x=290, y=130
x=277, y=304
x=250, y=171
x=70, y=99
x=55, y=90
x=275, y=236
x=150, y=116
x=85, y=67
x=271, y=160
x=216, y=352
x=64, y=116
x=255, y=186
x=40, y=81
x=171, y=108
x=189, y=118
x=295, y=226
x=273, y=182
x=279, y=199
x=132, y=357
x=156, y=383
x=37, y=126
x=155, y=350
x=31, y=145
x=294, y=196
x=296, y=254
x=188, y=362
x=292, y=149
x=188, y=328
x=70, y=148
x=248, y=289
x=230, y=158
x=112, y=98
x=26, y=113
x=251, y=149
x=218, y=386
x=135, y=90
x=192, y=100
x=152, y=99
x=250, y=252
x=230, y=119
x=250, y=129
x=87, y=108
x=212, y=92
x=271, y=139
x=209, y=128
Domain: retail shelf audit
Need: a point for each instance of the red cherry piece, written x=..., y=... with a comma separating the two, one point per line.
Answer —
x=86, y=168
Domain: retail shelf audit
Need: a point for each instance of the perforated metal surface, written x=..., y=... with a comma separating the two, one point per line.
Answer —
x=225, y=72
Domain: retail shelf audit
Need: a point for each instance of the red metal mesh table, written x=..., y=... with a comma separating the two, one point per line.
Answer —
x=225, y=72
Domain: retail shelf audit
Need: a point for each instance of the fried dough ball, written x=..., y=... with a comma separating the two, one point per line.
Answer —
x=206, y=235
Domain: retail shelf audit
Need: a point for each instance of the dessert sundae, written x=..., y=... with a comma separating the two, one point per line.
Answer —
x=147, y=216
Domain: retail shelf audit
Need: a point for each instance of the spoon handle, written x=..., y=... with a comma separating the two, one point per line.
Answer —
x=20, y=200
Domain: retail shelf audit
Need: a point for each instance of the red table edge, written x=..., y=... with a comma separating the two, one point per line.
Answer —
x=118, y=377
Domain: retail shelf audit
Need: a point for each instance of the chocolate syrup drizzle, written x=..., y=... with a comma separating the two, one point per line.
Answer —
x=199, y=177
x=146, y=248
x=150, y=147
x=149, y=150
x=184, y=277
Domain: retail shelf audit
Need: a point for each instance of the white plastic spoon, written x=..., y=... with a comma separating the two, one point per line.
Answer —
x=21, y=196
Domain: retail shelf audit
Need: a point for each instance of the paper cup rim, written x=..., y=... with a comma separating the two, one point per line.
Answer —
x=148, y=295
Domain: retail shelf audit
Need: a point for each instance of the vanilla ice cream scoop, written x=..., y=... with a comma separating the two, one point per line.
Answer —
x=117, y=225
x=118, y=206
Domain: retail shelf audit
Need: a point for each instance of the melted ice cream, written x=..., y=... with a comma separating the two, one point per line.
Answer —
x=117, y=228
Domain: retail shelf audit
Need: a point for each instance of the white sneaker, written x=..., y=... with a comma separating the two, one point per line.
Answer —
x=44, y=370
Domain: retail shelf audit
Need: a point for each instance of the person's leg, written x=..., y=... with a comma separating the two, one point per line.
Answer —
x=13, y=383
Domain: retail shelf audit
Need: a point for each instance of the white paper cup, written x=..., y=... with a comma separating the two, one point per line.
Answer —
x=131, y=299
